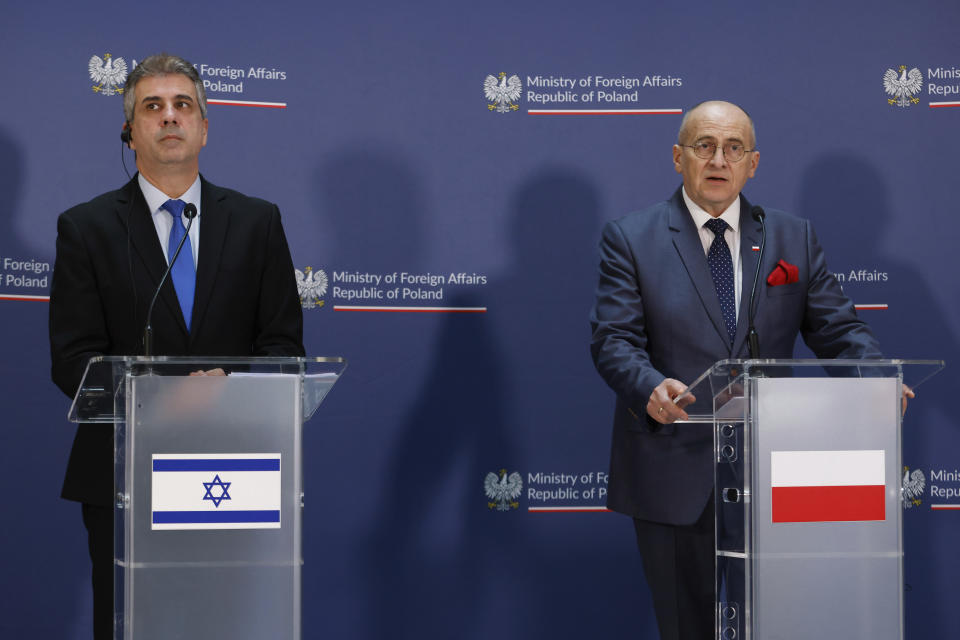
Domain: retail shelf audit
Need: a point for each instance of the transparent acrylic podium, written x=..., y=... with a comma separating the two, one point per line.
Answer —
x=208, y=489
x=808, y=495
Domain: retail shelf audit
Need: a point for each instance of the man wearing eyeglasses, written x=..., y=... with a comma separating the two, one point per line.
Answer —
x=671, y=301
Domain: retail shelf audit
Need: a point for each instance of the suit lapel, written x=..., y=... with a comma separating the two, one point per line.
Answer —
x=749, y=237
x=133, y=212
x=215, y=219
x=686, y=239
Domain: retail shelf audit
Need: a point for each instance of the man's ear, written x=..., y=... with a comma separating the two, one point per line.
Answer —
x=126, y=134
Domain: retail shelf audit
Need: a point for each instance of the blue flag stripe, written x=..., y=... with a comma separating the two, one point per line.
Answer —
x=215, y=464
x=205, y=517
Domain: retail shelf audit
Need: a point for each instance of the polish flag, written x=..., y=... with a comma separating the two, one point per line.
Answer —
x=828, y=486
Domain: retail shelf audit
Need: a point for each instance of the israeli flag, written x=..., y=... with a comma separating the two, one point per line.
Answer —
x=216, y=491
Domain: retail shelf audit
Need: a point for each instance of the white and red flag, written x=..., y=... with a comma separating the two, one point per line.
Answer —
x=828, y=486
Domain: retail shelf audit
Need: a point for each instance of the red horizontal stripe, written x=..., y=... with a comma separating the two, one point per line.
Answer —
x=245, y=103
x=410, y=310
x=944, y=104
x=26, y=298
x=596, y=112
x=568, y=510
x=829, y=504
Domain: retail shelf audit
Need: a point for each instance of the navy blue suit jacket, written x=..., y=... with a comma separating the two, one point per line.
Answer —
x=657, y=315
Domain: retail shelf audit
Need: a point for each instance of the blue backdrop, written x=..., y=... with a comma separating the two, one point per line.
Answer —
x=386, y=158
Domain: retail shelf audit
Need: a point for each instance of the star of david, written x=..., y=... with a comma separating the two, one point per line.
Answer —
x=217, y=482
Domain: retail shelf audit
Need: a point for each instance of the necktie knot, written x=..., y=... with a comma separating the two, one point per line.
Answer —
x=717, y=225
x=175, y=209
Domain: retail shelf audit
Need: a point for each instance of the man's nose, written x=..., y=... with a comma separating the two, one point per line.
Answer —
x=169, y=114
x=718, y=158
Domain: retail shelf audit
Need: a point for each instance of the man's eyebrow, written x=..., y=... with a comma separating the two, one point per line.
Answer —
x=712, y=137
x=179, y=96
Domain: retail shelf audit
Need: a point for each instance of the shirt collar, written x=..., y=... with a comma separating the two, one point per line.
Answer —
x=156, y=198
x=730, y=215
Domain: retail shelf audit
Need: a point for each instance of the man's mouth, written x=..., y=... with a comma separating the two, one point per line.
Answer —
x=716, y=179
x=171, y=134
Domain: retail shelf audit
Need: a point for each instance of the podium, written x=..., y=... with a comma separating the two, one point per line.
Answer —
x=209, y=490
x=809, y=540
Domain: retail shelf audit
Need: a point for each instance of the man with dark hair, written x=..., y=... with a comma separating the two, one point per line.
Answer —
x=232, y=291
x=162, y=65
x=670, y=302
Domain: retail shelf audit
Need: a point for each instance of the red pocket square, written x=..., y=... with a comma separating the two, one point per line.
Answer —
x=783, y=273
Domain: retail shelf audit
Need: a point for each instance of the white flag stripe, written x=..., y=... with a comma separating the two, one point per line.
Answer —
x=184, y=491
x=197, y=526
x=827, y=468
x=214, y=456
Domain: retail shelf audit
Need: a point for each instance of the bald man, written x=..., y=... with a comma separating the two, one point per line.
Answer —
x=671, y=301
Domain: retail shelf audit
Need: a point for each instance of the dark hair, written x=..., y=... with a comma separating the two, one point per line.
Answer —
x=161, y=64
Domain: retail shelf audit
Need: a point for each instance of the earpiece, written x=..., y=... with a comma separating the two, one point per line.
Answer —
x=126, y=135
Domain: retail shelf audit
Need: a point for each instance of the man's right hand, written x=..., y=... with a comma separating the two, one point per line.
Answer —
x=661, y=406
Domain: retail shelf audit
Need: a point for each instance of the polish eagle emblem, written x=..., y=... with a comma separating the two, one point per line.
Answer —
x=902, y=86
x=503, y=490
x=913, y=484
x=503, y=93
x=312, y=286
x=109, y=73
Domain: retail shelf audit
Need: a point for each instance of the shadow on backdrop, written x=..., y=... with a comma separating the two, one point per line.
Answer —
x=845, y=193
x=502, y=391
x=45, y=526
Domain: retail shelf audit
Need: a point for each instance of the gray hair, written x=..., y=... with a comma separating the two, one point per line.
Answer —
x=161, y=64
x=686, y=116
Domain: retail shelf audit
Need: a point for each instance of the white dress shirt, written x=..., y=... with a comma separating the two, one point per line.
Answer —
x=162, y=219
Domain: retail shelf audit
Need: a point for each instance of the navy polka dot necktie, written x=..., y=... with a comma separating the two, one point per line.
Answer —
x=721, y=268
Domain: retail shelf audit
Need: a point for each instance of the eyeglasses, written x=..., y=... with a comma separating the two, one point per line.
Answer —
x=707, y=149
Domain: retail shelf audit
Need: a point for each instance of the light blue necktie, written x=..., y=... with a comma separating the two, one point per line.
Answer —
x=721, y=268
x=183, y=274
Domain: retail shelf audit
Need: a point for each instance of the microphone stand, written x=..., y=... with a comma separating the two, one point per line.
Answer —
x=190, y=211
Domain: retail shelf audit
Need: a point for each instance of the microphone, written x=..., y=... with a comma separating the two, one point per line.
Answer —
x=758, y=214
x=190, y=211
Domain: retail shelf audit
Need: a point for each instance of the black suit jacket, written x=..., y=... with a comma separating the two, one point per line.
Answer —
x=108, y=265
x=657, y=315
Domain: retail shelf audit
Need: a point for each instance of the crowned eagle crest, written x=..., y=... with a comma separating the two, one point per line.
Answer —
x=503, y=490
x=503, y=93
x=902, y=86
x=311, y=285
x=109, y=73
x=913, y=484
